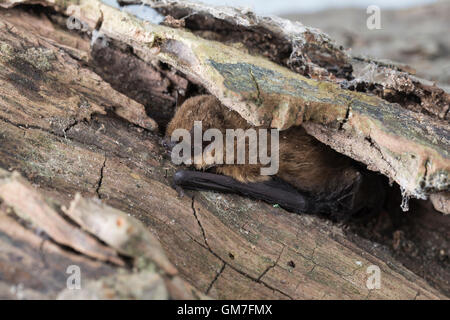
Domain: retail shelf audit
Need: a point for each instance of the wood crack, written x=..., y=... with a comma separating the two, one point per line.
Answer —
x=215, y=278
x=206, y=246
x=271, y=266
x=347, y=115
x=100, y=180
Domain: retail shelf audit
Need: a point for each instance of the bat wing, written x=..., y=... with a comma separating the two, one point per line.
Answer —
x=274, y=191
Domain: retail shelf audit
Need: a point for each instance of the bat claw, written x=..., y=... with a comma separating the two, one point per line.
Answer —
x=177, y=182
x=180, y=192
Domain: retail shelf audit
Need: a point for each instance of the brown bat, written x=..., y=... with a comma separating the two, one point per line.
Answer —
x=311, y=178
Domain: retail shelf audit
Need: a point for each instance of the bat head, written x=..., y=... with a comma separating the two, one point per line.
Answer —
x=210, y=112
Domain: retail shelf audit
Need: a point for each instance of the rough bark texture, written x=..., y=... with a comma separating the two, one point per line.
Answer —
x=131, y=265
x=67, y=130
x=407, y=142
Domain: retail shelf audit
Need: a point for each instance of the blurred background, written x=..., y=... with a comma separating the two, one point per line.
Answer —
x=413, y=32
x=280, y=7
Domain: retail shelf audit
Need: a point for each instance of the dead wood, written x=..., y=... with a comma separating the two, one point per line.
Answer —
x=67, y=130
x=408, y=143
x=30, y=221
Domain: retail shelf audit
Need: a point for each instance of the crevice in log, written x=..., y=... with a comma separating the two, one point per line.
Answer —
x=70, y=126
x=199, y=223
x=347, y=115
x=100, y=179
x=42, y=252
x=136, y=79
x=271, y=266
x=206, y=245
x=215, y=279
x=156, y=85
x=377, y=148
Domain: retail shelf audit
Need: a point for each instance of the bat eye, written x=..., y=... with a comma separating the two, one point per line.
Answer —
x=168, y=144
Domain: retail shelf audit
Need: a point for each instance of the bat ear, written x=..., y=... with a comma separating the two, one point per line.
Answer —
x=180, y=98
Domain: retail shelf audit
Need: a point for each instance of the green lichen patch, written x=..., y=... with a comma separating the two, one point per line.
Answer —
x=40, y=58
x=6, y=49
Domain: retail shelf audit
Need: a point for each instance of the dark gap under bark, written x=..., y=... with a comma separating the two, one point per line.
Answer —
x=418, y=238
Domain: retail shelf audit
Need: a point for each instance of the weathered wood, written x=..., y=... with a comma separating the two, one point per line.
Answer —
x=33, y=267
x=311, y=52
x=411, y=148
x=223, y=245
x=28, y=69
x=14, y=191
x=125, y=235
x=152, y=276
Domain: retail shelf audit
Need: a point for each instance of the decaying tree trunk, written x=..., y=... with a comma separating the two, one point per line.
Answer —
x=73, y=120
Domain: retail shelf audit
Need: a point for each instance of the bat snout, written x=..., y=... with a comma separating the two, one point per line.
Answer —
x=168, y=144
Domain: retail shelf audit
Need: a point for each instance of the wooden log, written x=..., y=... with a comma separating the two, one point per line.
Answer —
x=223, y=245
x=410, y=148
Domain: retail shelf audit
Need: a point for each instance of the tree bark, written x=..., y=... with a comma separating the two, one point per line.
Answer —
x=68, y=131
